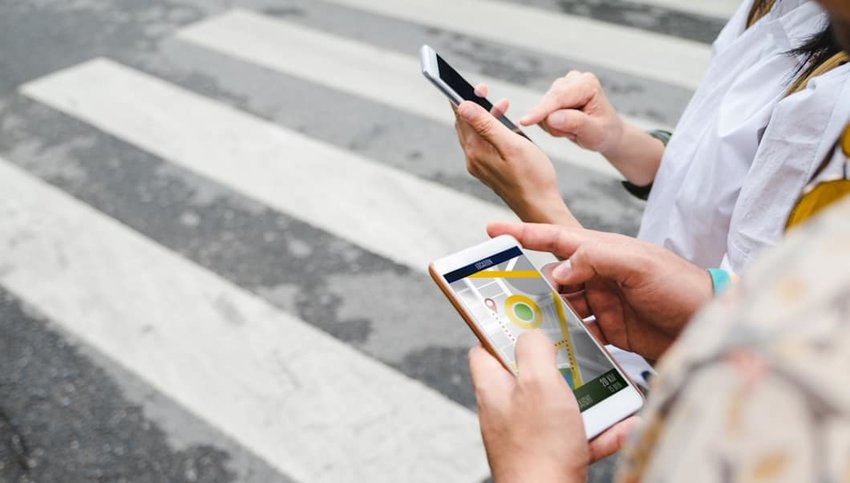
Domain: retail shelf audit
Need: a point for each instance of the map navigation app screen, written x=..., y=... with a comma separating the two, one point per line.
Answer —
x=507, y=296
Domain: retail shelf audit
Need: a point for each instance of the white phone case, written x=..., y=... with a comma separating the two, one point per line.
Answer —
x=598, y=417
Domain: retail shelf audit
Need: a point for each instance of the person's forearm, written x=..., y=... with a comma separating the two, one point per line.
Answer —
x=540, y=473
x=542, y=477
x=637, y=155
x=545, y=209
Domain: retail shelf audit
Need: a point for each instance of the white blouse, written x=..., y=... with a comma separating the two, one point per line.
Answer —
x=743, y=151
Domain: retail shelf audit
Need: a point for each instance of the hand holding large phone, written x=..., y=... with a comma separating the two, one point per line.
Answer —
x=535, y=406
x=501, y=295
x=642, y=295
x=534, y=409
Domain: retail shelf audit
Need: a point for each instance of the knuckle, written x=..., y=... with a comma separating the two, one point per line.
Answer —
x=579, y=257
x=591, y=79
x=531, y=382
x=511, y=152
x=561, y=84
x=472, y=167
x=645, y=260
x=482, y=127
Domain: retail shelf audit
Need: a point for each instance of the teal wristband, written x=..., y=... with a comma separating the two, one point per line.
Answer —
x=720, y=280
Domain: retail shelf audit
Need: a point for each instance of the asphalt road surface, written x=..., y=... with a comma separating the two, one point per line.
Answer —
x=215, y=218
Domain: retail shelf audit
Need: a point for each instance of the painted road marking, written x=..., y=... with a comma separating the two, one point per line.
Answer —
x=365, y=71
x=663, y=58
x=313, y=407
x=710, y=8
x=384, y=210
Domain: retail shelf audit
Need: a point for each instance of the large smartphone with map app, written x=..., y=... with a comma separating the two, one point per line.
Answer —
x=454, y=86
x=501, y=294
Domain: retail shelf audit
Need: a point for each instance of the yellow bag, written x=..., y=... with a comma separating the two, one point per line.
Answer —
x=822, y=194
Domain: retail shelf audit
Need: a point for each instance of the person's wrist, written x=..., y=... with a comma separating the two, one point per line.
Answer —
x=636, y=155
x=550, y=209
x=616, y=141
x=721, y=280
x=700, y=289
x=540, y=472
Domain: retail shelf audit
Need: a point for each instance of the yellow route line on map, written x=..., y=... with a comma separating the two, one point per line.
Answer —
x=567, y=342
x=506, y=274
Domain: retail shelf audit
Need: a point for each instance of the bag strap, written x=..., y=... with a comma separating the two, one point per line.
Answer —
x=833, y=62
x=758, y=11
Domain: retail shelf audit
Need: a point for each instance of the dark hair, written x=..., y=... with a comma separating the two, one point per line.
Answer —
x=816, y=50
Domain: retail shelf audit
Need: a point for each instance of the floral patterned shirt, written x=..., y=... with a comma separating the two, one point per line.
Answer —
x=757, y=389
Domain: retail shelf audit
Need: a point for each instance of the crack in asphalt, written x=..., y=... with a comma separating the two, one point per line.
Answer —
x=15, y=443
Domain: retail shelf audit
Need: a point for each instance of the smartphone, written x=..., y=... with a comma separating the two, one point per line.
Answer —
x=454, y=86
x=501, y=294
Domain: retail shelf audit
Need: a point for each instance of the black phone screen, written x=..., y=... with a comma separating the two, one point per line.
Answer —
x=459, y=84
x=465, y=90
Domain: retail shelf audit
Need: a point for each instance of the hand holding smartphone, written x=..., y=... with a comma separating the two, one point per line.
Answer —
x=501, y=295
x=454, y=86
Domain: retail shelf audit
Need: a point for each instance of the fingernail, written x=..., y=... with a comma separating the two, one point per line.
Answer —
x=557, y=118
x=561, y=271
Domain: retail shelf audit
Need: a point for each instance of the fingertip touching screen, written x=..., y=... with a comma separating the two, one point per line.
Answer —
x=507, y=296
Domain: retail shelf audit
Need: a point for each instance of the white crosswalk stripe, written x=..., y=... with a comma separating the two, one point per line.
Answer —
x=366, y=71
x=264, y=377
x=712, y=8
x=653, y=56
x=311, y=406
x=372, y=205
